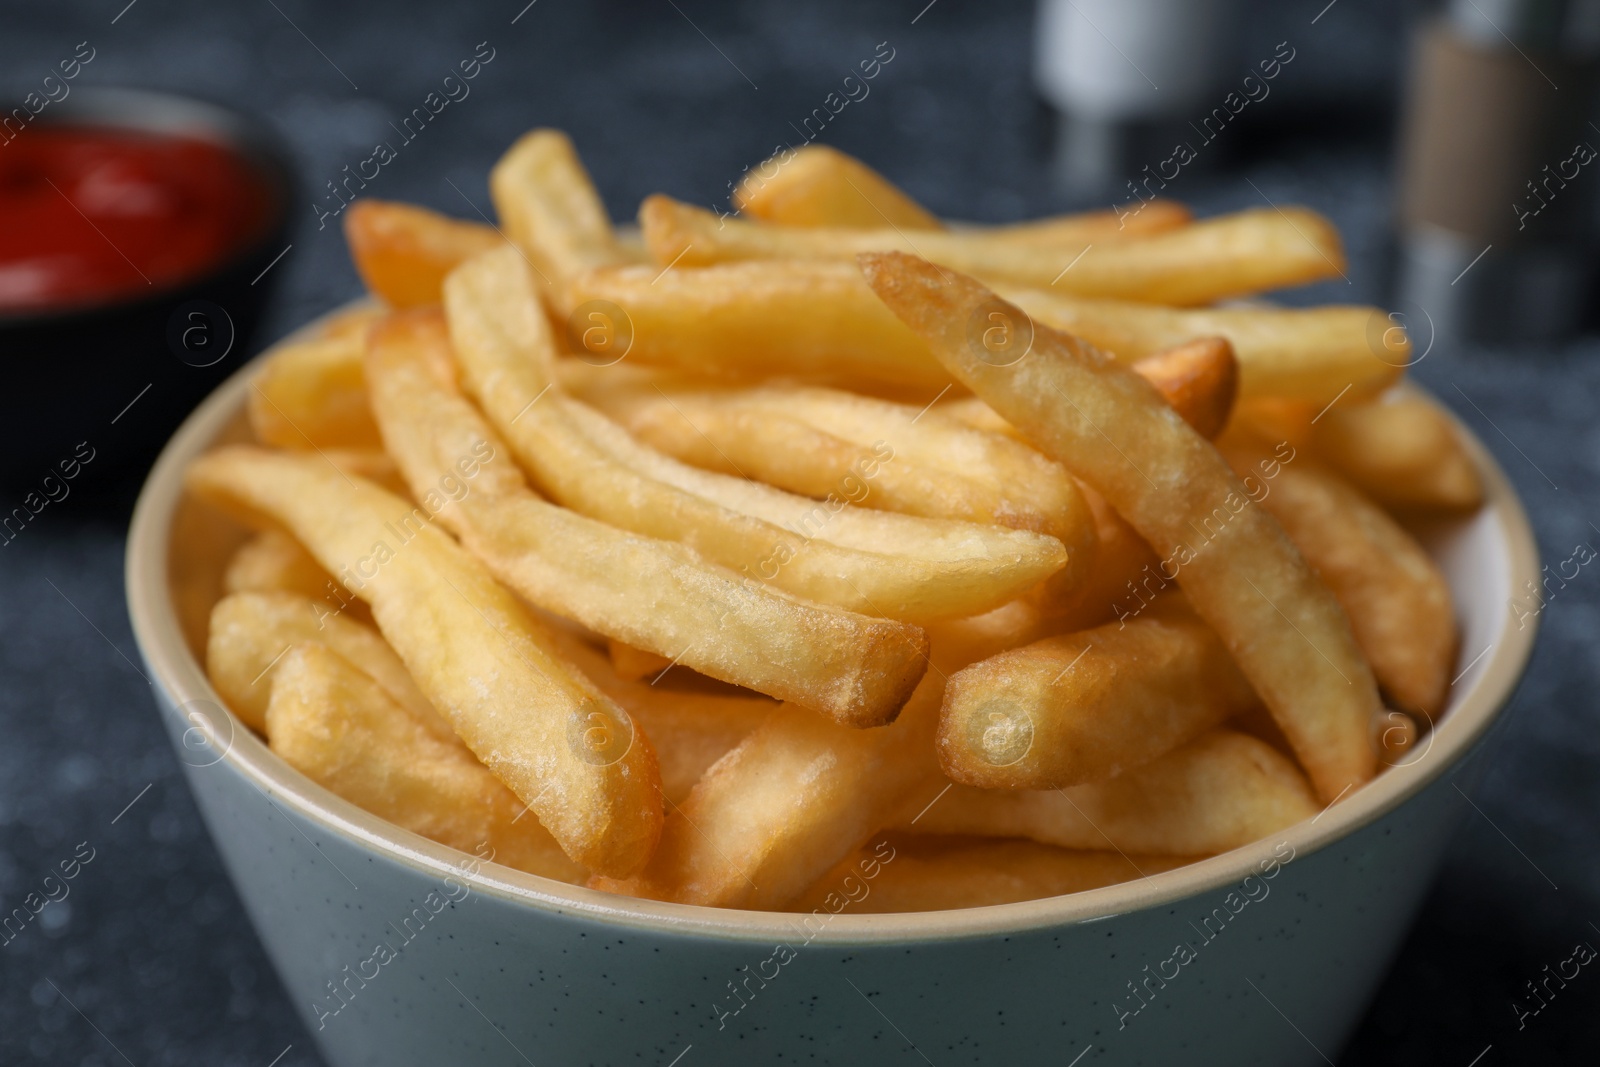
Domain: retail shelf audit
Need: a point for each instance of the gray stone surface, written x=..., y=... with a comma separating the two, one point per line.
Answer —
x=149, y=960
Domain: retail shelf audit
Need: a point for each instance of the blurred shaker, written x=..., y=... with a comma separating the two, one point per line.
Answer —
x=1123, y=76
x=1496, y=194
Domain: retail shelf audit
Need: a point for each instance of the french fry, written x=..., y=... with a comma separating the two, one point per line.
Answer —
x=403, y=252
x=879, y=563
x=1084, y=707
x=894, y=566
x=814, y=321
x=1199, y=378
x=855, y=669
x=691, y=730
x=956, y=643
x=1229, y=256
x=697, y=732
x=1234, y=562
x=251, y=631
x=980, y=416
x=348, y=322
x=1401, y=451
x=817, y=322
x=1124, y=576
x=919, y=872
x=632, y=664
x=1258, y=722
x=1094, y=227
x=338, y=727
x=273, y=562
x=1396, y=597
x=550, y=209
x=1218, y=792
x=373, y=464
x=1276, y=418
x=799, y=795
x=895, y=457
x=310, y=394
x=792, y=799
x=821, y=186
x=1127, y=573
x=1310, y=354
x=544, y=730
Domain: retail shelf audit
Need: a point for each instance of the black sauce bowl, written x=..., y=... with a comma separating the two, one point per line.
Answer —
x=92, y=392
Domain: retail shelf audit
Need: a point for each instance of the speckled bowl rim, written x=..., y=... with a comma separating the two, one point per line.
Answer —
x=182, y=679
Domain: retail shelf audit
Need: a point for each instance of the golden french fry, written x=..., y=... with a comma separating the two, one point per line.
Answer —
x=273, y=562
x=821, y=186
x=311, y=394
x=792, y=799
x=1200, y=379
x=817, y=322
x=1312, y=354
x=1044, y=611
x=799, y=794
x=1401, y=451
x=651, y=593
x=1397, y=598
x=1218, y=792
x=549, y=208
x=251, y=631
x=559, y=743
x=1127, y=574
x=894, y=566
x=334, y=724
x=1093, y=227
x=349, y=322
x=878, y=563
x=375, y=465
x=894, y=457
x=1229, y=256
x=1124, y=577
x=632, y=664
x=956, y=643
x=1275, y=418
x=918, y=872
x=1086, y=706
x=1112, y=429
x=811, y=320
x=1258, y=722
x=691, y=730
x=403, y=252
x=980, y=416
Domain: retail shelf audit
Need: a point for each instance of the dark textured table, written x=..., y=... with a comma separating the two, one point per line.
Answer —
x=150, y=960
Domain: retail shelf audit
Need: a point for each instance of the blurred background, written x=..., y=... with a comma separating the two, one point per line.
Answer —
x=1450, y=143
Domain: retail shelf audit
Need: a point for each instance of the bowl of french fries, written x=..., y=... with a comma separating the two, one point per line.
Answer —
x=826, y=630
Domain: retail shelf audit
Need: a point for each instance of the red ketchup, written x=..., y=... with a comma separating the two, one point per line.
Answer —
x=93, y=215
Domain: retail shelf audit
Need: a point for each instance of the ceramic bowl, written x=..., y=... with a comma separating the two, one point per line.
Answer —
x=396, y=950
